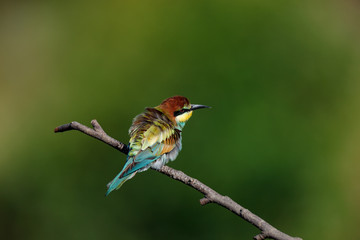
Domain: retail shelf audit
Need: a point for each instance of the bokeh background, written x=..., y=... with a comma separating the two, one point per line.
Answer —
x=282, y=138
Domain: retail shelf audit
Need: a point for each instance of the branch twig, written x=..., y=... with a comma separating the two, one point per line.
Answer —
x=210, y=195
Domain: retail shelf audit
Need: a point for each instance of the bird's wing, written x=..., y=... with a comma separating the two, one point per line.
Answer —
x=152, y=134
x=147, y=147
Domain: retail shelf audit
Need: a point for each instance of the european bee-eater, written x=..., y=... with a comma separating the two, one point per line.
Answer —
x=155, y=138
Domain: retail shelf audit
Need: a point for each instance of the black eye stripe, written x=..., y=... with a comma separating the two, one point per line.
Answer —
x=177, y=113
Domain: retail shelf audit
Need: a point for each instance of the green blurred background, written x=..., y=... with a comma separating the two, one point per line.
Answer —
x=282, y=138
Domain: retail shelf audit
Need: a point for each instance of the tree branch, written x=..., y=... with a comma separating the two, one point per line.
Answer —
x=210, y=195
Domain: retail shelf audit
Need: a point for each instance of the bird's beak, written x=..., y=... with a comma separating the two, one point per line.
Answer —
x=197, y=106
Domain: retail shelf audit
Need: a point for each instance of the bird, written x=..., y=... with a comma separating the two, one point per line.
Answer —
x=155, y=138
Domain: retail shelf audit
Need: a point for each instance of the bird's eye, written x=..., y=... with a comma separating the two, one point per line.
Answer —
x=177, y=113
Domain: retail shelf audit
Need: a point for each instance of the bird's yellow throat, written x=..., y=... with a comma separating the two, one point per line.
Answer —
x=184, y=117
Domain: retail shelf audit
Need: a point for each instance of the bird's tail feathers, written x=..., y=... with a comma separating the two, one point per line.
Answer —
x=117, y=182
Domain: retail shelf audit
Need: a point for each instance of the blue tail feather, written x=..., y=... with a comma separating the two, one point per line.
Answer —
x=117, y=182
x=139, y=162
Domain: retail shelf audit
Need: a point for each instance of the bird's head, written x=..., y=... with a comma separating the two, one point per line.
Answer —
x=179, y=109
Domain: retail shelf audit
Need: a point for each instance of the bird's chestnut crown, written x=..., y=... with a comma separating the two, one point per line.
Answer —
x=179, y=108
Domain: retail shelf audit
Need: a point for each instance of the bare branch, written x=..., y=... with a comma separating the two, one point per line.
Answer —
x=210, y=195
x=97, y=133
